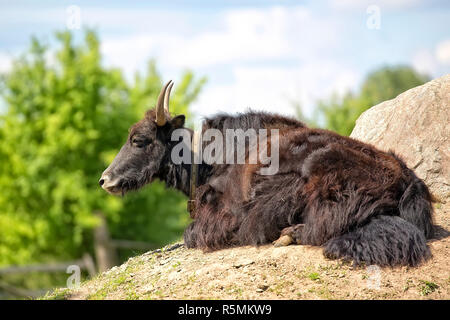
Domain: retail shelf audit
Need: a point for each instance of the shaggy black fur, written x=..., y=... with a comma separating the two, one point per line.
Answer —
x=385, y=241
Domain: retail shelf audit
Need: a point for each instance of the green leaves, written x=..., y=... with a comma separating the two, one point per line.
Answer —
x=66, y=118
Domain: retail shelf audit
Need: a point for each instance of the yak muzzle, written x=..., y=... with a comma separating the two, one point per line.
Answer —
x=109, y=185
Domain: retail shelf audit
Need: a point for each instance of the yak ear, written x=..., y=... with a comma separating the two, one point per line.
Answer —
x=178, y=121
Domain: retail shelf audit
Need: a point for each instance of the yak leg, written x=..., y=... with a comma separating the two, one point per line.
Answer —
x=291, y=234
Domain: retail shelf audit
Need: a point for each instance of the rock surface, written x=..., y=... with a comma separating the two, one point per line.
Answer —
x=416, y=126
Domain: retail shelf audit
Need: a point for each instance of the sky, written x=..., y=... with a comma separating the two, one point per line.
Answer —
x=264, y=55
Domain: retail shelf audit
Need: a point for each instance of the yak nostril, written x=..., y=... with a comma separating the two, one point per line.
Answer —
x=101, y=182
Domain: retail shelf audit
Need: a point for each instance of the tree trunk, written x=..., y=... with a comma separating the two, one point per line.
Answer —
x=105, y=252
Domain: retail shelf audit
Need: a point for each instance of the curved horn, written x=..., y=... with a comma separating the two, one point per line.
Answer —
x=160, y=116
x=167, y=97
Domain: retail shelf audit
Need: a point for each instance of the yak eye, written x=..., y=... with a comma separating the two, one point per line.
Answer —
x=140, y=142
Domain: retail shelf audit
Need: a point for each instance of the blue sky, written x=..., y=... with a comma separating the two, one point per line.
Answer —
x=256, y=54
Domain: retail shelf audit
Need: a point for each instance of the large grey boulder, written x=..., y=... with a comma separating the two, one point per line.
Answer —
x=416, y=126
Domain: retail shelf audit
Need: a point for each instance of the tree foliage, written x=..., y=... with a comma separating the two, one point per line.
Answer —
x=66, y=117
x=340, y=113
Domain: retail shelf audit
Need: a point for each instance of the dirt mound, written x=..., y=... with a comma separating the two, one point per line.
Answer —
x=293, y=272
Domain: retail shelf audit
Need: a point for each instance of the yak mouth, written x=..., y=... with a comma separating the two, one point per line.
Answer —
x=123, y=186
x=114, y=190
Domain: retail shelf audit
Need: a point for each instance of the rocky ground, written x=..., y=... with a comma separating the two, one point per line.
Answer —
x=293, y=272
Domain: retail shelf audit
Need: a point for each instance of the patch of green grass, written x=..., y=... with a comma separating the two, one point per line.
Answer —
x=99, y=294
x=159, y=293
x=57, y=294
x=427, y=287
x=132, y=295
x=324, y=292
x=409, y=284
x=233, y=290
x=280, y=287
x=110, y=286
x=314, y=276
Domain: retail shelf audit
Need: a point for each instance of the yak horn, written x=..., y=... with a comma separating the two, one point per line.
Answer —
x=167, y=96
x=160, y=115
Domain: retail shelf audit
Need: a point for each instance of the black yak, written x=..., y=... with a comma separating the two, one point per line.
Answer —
x=361, y=204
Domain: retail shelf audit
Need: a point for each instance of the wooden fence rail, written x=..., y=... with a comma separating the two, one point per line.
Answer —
x=85, y=263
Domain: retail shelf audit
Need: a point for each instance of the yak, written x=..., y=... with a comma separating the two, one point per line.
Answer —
x=359, y=203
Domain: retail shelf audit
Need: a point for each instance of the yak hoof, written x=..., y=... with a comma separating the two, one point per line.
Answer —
x=283, y=241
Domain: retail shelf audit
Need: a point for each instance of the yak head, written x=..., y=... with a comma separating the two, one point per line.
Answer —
x=146, y=150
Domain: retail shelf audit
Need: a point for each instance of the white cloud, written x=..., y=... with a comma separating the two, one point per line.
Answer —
x=275, y=88
x=443, y=52
x=424, y=61
x=248, y=35
x=129, y=53
x=5, y=62
x=238, y=36
x=435, y=61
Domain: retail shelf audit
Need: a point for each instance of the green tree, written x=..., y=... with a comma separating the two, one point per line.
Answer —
x=64, y=122
x=340, y=114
